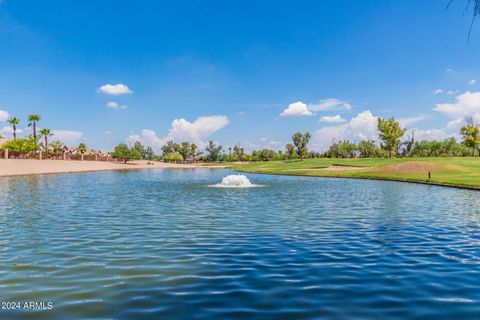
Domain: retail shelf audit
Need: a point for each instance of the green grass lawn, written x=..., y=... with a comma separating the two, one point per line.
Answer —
x=463, y=172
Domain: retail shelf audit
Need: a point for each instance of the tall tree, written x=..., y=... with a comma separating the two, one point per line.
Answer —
x=267, y=155
x=471, y=134
x=213, y=150
x=82, y=148
x=193, y=151
x=367, y=148
x=301, y=141
x=124, y=152
x=46, y=133
x=148, y=154
x=169, y=147
x=57, y=146
x=290, y=151
x=239, y=151
x=14, y=121
x=140, y=148
x=185, y=150
x=32, y=122
x=390, y=132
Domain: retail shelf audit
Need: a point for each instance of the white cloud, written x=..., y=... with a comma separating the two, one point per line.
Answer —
x=466, y=104
x=249, y=146
x=240, y=113
x=276, y=143
x=115, y=89
x=448, y=70
x=132, y=138
x=432, y=134
x=112, y=104
x=108, y=132
x=472, y=82
x=411, y=120
x=296, y=109
x=329, y=104
x=183, y=130
x=7, y=130
x=362, y=127
x=450, y=92
x=148, y=137
x=69, y=137
x=4, y=115
x=299, y=108
x=333, y=119
x=457, y=123
x=115, y=105
x=438, y=91
x=272, y=144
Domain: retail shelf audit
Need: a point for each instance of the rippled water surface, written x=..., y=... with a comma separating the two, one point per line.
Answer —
x=162, y=244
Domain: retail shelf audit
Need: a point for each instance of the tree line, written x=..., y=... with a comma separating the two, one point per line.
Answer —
x=391, y=144
x=32, y=142
x=390, y=137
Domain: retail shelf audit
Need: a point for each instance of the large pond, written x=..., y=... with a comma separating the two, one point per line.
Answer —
x=164, y=244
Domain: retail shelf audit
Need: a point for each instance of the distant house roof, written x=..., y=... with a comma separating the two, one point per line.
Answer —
x=74, y=150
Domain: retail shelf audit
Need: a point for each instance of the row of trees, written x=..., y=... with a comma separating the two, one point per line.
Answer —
x=31, y=143
x=369, y=149
x=176, y=152
x=171, y=152
x=390, y=135
x=391, y=145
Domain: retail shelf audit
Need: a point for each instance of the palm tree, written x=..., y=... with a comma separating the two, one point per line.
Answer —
x=32, y=122
x=82, y=148
x=57, y=146
x=14, y=121
x=46, y=133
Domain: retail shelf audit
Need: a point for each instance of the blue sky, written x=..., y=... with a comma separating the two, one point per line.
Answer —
x=248, y=72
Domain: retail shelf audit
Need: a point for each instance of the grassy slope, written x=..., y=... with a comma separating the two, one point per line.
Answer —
x=447, y=171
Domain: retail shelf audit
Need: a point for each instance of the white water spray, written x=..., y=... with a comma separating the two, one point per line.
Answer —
x=235, y=181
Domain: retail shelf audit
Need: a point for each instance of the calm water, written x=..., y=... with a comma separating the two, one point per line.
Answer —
x=163, y=245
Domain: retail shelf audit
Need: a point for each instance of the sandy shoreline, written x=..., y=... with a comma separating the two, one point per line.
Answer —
x=19, y=167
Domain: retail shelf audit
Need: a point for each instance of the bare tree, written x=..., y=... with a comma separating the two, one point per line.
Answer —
x=472, y=121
